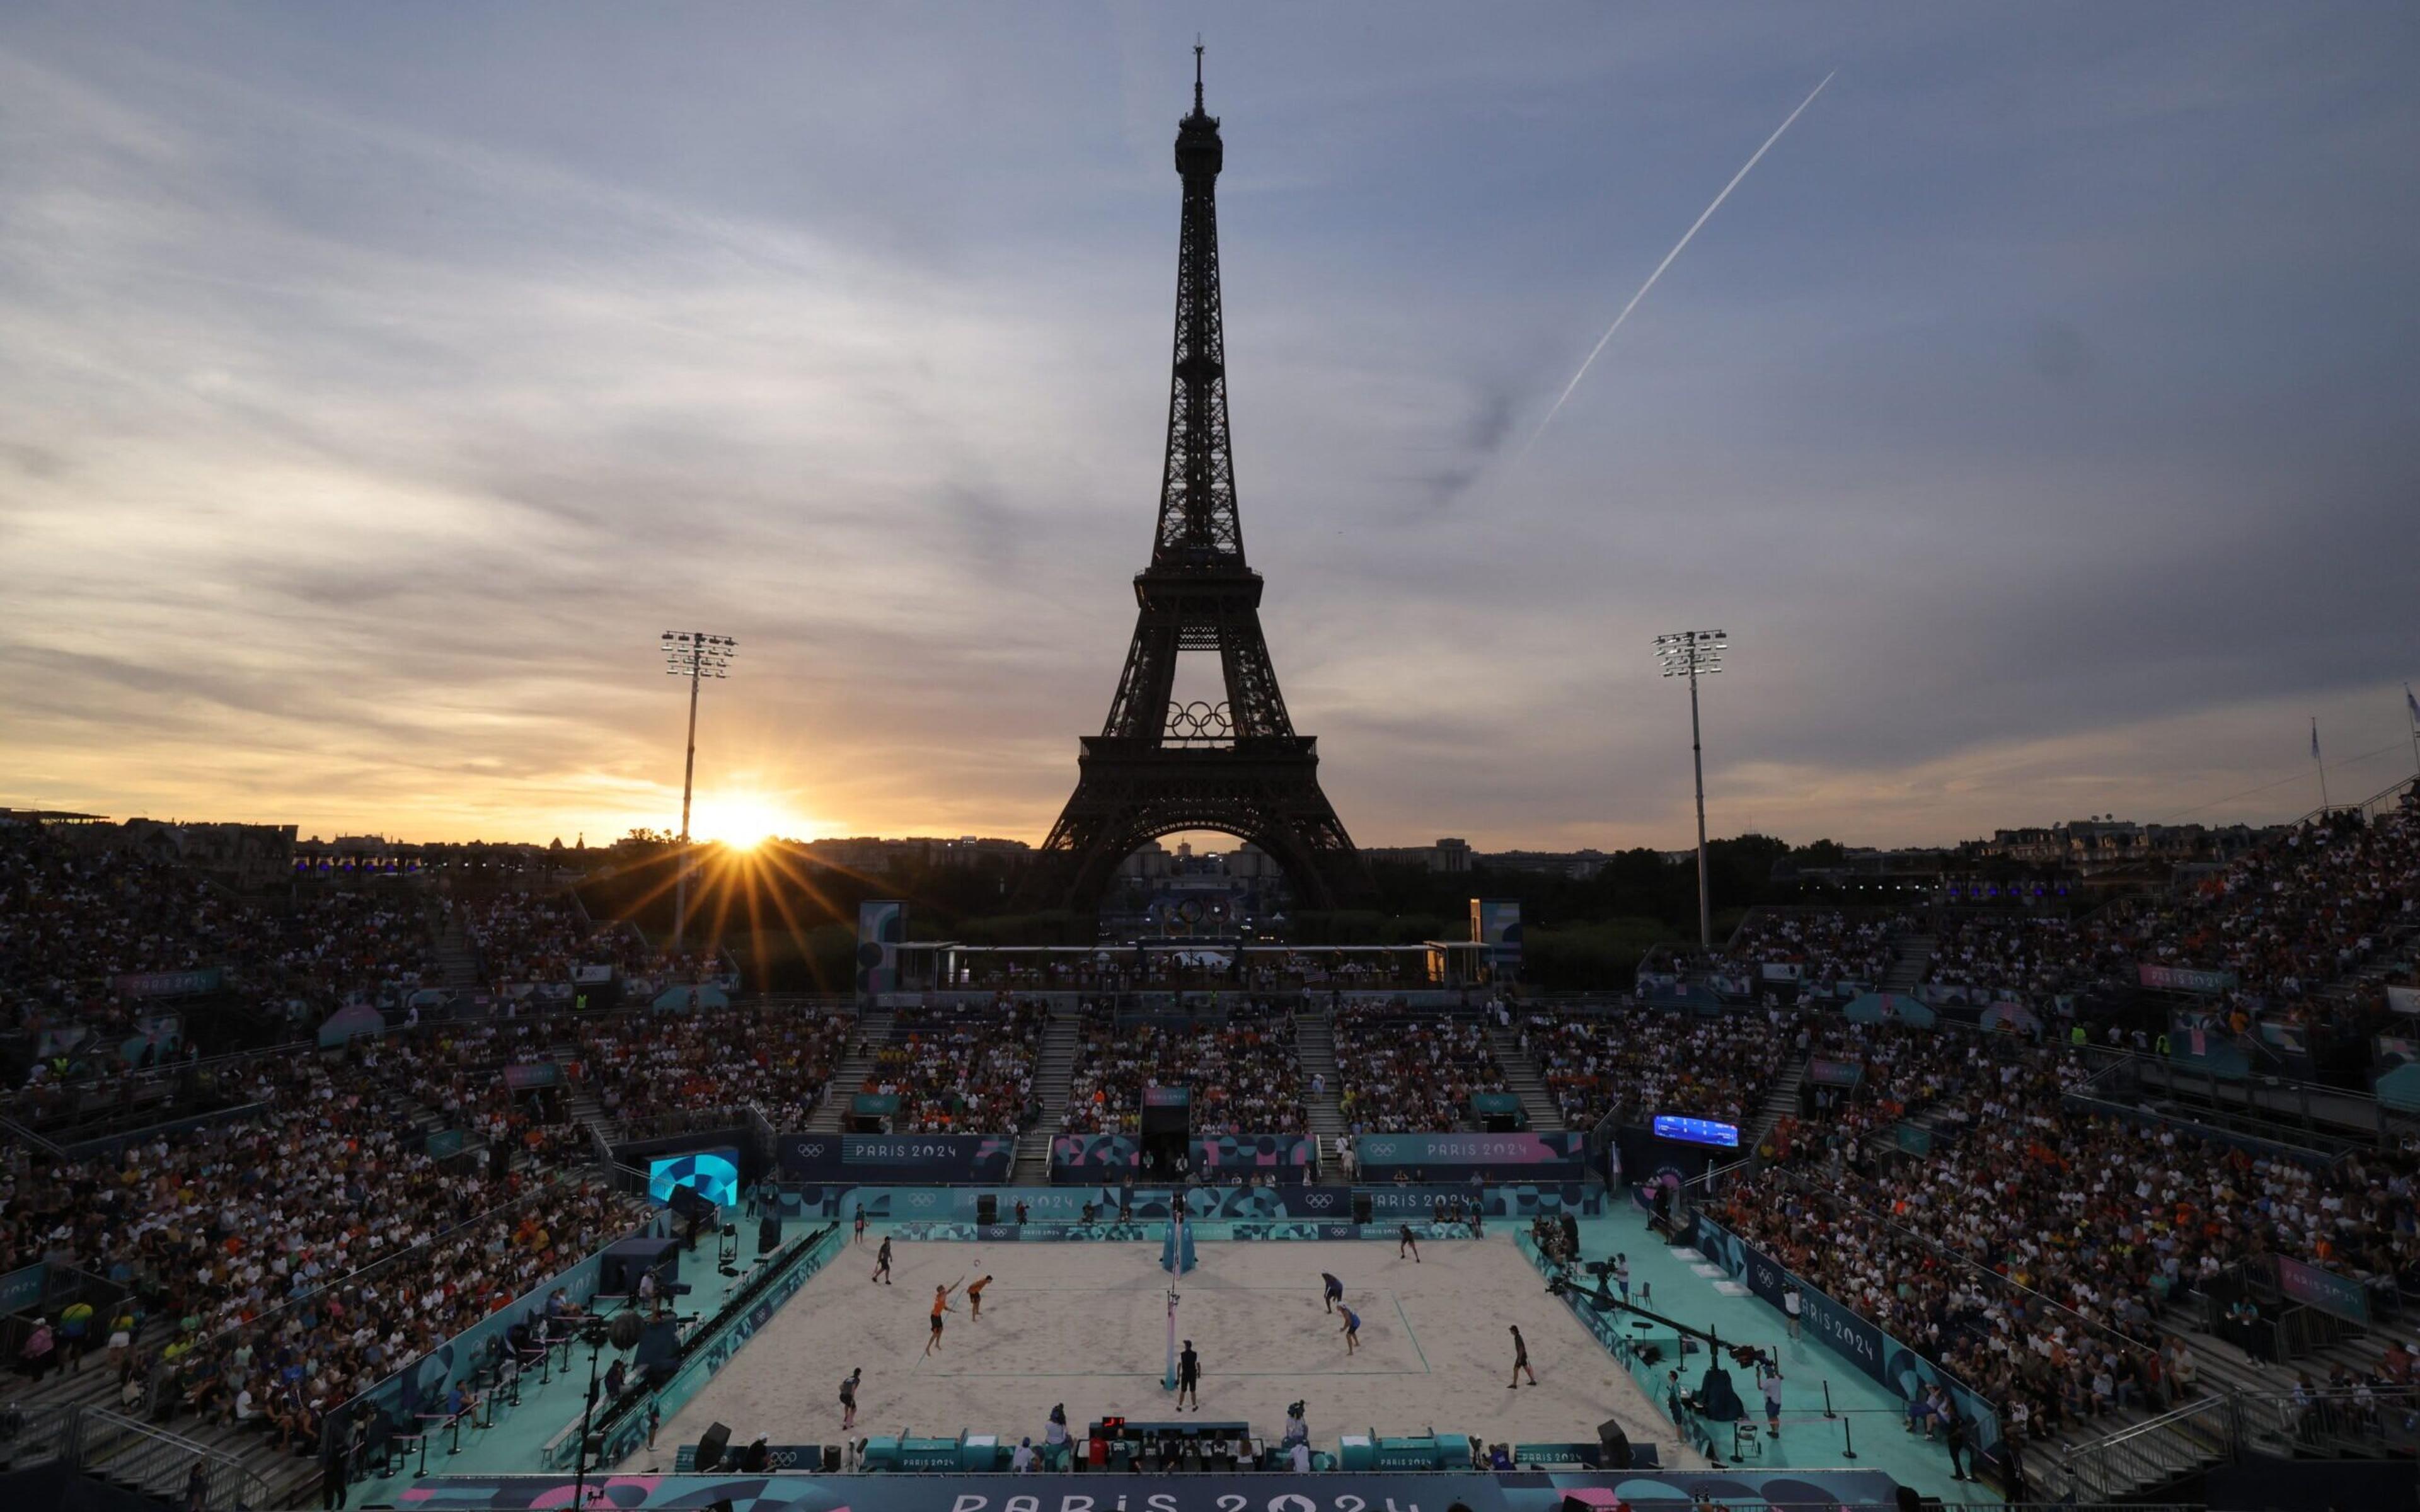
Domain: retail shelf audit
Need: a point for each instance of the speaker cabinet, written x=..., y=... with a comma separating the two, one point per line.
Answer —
x=1613, y=1445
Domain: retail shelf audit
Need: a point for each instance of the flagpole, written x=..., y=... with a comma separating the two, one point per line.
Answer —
x=2412, y=712
x=2321, y=765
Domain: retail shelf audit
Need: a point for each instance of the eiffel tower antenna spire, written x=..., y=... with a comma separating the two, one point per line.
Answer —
x=1159, y=766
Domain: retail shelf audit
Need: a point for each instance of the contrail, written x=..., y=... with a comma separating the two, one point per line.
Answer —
x=1677, y=246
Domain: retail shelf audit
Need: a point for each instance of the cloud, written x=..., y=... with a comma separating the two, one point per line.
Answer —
x=359, y=435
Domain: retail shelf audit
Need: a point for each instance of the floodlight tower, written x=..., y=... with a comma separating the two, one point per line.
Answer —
x=696, y=655
x=1688, y=654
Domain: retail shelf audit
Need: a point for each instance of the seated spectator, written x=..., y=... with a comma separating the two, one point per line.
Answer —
x=1407, y=1073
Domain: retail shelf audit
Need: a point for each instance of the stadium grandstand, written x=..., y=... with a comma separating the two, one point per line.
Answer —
x=315, y=1185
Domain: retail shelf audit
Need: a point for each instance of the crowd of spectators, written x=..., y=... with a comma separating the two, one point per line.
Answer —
x=645, y=1065
x=2025, y=957
x=1410, y=1072
x=331, y=944
x=1821, y=947
x=72, y=920
x=278, y=1263
x=1242, y=1072
x=1653, y=1062
x=968, y=1071
x=2035, y=1250
x=2288, y=916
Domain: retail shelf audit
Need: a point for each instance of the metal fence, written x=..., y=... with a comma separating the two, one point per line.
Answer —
x=132, y=1455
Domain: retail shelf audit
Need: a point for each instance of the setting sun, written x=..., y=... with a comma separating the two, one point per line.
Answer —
x=745, y=820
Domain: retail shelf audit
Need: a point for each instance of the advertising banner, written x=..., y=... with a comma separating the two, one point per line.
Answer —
x=1884, y=1359
x=1511, y=1157
x=2403, y=1000
x=1824, y=1073
x=1779, y=970
x=20, y=1291
x=2200, y=1039
x=2014, y=1017
x=349, y=1021
x=167, y=983
x=1107, y=1157
x=1496, y=923
x=531, y=1074
x=2338, y=1296
x=881, y=925
x=712, y=1174
x=1524, y=1491
x=897, y=1160
x=1284, y=1158
x=1065, y=1204
x=1890, y=1008
x=2185, y=979
x=1093, y=1157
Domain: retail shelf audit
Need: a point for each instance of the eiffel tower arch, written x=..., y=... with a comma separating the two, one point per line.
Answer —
x=1236, y=766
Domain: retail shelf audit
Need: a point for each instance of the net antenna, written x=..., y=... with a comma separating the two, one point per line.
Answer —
x=1169, y=1381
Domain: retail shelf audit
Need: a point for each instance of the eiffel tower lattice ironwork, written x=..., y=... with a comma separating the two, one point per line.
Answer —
x=1235, y=766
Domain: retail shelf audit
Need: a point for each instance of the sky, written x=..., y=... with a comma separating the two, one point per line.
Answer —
x=378, y=382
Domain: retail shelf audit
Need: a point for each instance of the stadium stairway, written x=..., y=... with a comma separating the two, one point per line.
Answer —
x=872, y=1033
x=1912, y=954
x=1054, y=1071
x=1779, y=1104
x=455, y=963
x=1314, y=1052
x=1521, y=1077
x=292, y=1479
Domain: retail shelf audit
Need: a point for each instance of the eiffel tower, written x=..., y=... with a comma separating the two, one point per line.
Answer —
x=1235, y=766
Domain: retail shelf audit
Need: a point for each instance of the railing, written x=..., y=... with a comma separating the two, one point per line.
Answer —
x=769, y=1139
x=2363, y=1424
x=2304, y=1331
x=37, y=1435
x=679, y=1122
x=2150, y=1453
x=12, y=1128
x=159, y=1464
x=2368, y=807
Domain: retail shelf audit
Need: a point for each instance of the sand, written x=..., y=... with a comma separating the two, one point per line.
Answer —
x=1086, y=1324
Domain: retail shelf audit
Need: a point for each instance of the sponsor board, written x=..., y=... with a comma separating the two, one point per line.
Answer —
x=1528, y=1491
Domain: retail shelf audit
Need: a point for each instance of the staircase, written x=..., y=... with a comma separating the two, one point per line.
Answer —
x=2126, y=1454
x=1054, y=1071
x=1314, y=1051
x=1907, y=967
x=457, y=966
x=1522, y=1080
x=126, y=1451
x=586, y=1110
x=1780, y=1102
x=873, y=1032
